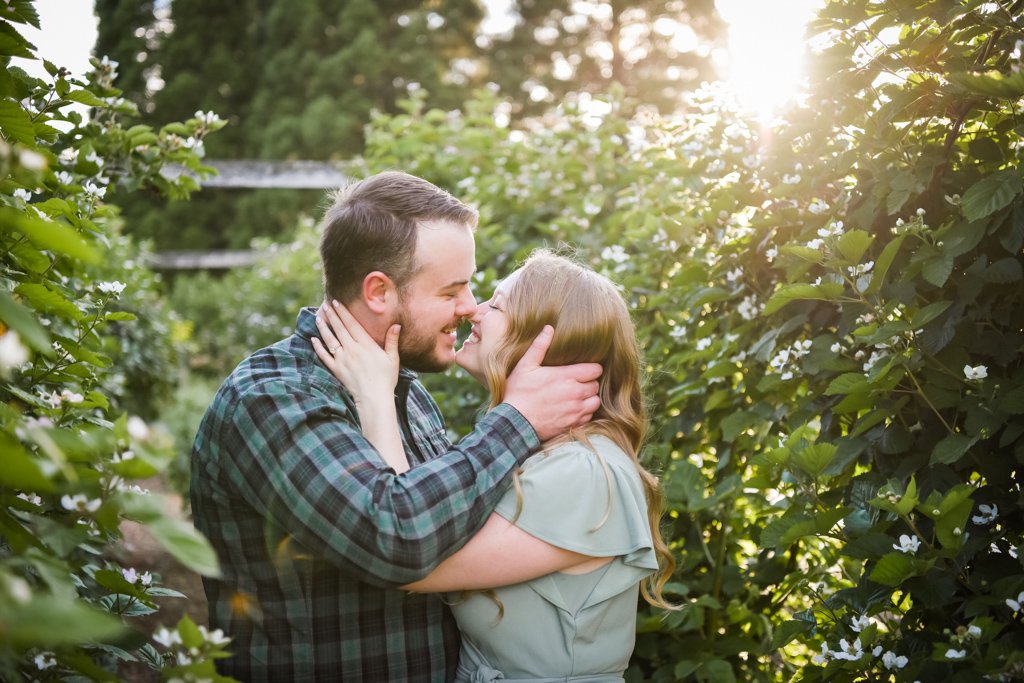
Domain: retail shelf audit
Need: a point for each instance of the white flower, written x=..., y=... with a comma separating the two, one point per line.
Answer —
x=22, y=194
x=974, y=631
x=955, y=654
x=108, y=63
x=1015, y=605
x=791, y=179
x=615, y=253
x=71, y=397
x=861, y=269
x=771, y=253
x=94, y=191
x=860, y=623
x=892, y=661
x=953, y=199
x=80, y=503
x=130, y=575
x=787, y=375
x=875, y=357
x=167, y=638
x=987, y=516
x=216, y=636
x=836, y=348
x=19, y=589
x=815, y=244
x=817, y=207
x=208, y=117
x=751, y=161
x=94, y=158
x=920, y=212
x=703, y=343
x=31, y=498
x=69, y=156
x=849, y=651
x=749, y=308
x=65, y=178
x=677, y=332
x=33, y=161
x=45, y=660
x=137, y=428
x=834, y=231
x=801, y=348
x=977, y=372
x=908, y=544
x=114, y=288
x=145, y=578
x=734, y=275
x=13, y=353
x=824, y=656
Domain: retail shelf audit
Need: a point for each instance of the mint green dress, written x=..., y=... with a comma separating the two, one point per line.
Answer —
x=564, y=627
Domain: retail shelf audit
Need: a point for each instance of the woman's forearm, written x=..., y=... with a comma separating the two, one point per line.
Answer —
x=379, y=423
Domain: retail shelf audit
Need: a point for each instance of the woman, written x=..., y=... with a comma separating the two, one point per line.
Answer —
x=568, y=547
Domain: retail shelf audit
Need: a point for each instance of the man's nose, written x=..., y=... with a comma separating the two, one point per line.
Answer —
x=466, y=306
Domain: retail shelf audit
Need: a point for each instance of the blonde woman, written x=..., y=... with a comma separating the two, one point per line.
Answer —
x=575, y=538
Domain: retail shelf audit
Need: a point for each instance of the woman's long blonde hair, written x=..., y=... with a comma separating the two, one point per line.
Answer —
x=592, y=325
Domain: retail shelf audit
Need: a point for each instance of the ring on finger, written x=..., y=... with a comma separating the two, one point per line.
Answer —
x=332, y=349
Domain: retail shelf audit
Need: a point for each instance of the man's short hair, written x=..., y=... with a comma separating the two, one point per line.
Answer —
x=373, y=224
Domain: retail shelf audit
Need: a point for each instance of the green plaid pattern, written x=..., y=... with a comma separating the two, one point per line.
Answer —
x=314, y=531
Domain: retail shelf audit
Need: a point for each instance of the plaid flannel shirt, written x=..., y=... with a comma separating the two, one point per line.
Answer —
x=314, y=531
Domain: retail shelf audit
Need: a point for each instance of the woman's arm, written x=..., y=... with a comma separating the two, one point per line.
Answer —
x=369, y=373
x=500, y=554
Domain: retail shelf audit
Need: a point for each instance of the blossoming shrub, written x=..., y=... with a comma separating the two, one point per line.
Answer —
x=84, y=353
x=831, y=307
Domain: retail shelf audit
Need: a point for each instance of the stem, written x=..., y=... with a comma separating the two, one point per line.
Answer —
x=920, y=392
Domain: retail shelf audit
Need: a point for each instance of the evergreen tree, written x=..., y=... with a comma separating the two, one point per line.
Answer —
x=657, y=49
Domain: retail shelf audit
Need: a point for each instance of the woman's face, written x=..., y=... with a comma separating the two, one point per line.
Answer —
x=489, y=325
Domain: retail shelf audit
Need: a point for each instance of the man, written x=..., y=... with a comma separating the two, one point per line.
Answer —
x=313, y=530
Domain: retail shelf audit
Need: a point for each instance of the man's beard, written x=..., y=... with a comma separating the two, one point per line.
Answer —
x=417, y=348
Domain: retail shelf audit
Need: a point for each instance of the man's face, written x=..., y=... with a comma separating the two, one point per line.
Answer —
x=438, y=297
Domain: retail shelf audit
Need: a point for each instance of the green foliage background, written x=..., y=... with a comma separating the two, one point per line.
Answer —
x=830, y=305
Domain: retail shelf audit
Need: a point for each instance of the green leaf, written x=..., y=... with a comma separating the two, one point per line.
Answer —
x=87, y=98
x=186, y=544
x=47, y=300
x=20, y=470
x=847, y=383
x=782, y=532
x=46, y=621
x=738, y=422
x=893, y=569
x=938, y=269
x=121, y=315
x=716, y=671
x=15, y=123
x=827, y=291
x=24, y=322
x=13, y=44
x=928, y=313
x=52, y=235
x=949, y=528
x=951, y=449
x=991, y=83
x=1013, y=401
x=853, y=244
x=991, y=193
x=814, y=459
x=884, y=262
x=1004, y=271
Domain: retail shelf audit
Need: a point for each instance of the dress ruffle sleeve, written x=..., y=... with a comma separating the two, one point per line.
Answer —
x=571, y=500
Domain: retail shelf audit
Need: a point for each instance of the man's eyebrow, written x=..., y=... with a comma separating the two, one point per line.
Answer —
x=458, y=283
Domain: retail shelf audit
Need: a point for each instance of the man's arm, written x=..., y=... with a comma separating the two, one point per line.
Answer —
x=301, y=460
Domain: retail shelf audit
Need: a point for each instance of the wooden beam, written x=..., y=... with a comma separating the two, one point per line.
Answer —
x=251, y=173
x=202, y=260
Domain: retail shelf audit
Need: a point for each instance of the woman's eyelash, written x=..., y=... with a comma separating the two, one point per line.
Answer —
x=493, y=307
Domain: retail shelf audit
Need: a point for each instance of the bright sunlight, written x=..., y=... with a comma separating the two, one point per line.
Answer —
x=764, y=62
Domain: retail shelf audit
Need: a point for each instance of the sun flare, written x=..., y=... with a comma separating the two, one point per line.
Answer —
x=764, y=62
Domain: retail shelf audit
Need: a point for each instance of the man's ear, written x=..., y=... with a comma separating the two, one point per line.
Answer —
x=379, y=292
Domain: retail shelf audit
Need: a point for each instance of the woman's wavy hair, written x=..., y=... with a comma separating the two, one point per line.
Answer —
x=592, y=325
